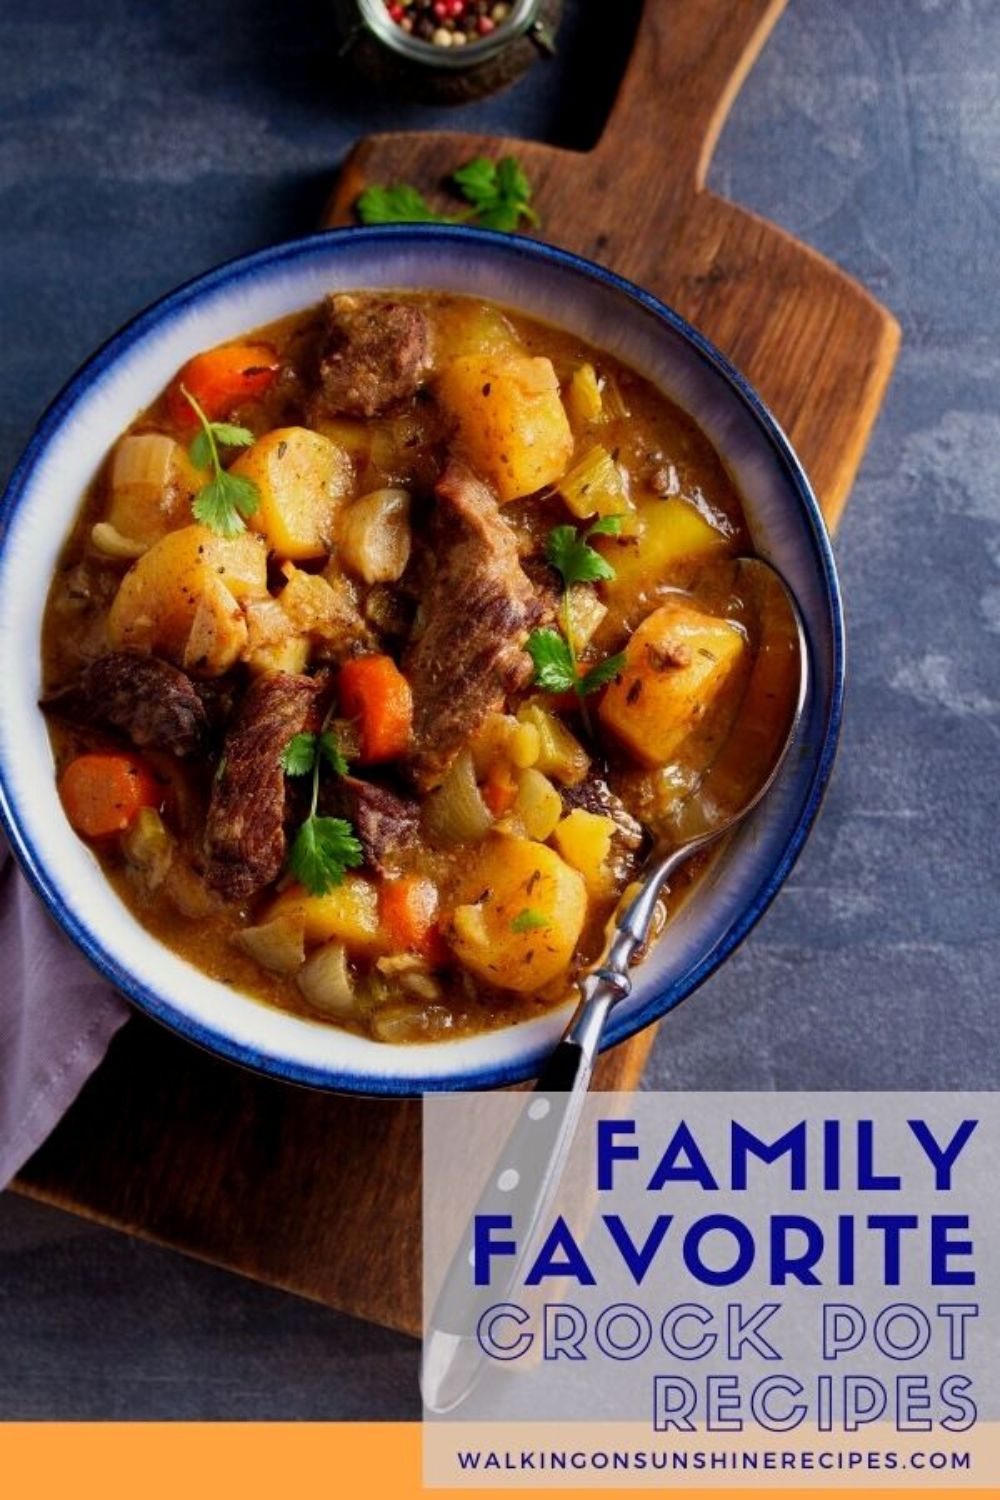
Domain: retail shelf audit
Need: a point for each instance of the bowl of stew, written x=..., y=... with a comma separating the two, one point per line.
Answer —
x=371, y=597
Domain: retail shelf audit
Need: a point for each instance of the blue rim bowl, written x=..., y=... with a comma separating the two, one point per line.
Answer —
x=66, y=449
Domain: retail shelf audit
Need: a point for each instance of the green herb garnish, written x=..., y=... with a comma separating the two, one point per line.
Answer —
x=226, y=499
x=323, y=848
x=499, y=194
x=300, y=755
x=553, y=664
x=574, y=559
x=529, y=920
x=557, y=668
x=399, y=204
x=606, y=526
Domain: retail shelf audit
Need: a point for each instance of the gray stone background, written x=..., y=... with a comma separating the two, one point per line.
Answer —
x=141, y=144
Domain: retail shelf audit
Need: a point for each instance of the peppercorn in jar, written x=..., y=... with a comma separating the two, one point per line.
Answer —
x=447, y=51
x=448, y=23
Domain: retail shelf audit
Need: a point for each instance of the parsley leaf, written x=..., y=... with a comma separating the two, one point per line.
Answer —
x=476, y=181
x=200, y=449
x=605, y=671
x=323, y=849
x=222, y=503
x=529, y=920
x=231, y=436
x=553, y=663
x=398, y=204
x=331, y=752
x=227, y=499
x=575, y=561
x=299, y=755
x=499, y=192
x=226, y=433
x=554, y=655
x=606, y=526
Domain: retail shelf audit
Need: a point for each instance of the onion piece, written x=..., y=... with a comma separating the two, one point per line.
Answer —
x=106, y=539
x=455, y=812
x=145, y=458
x=586, y=612
x=410, y=1021
x=278, y=945
x=148, y=847
x=152, y=480
x=374, y=535
x=560, y=754
x=596, y=484
x=538, y=806
x=325, y=981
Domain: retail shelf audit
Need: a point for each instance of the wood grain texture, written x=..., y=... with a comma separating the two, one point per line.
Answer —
x=318, y=1193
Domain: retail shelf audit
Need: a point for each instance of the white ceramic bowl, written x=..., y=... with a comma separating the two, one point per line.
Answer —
x=124, y=376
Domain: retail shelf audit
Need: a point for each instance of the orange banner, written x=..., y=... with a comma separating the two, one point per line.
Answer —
x=256, y=1461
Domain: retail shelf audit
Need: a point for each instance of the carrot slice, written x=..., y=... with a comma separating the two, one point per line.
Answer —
x=499, y=791
x=220, y=379
x=374, y=691
x=408, y=909
x=102, y=792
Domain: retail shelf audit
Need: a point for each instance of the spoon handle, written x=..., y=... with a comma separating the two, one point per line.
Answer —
x=601, y=990
x=528, y=1170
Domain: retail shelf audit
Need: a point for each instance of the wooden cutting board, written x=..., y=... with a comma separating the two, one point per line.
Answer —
x=321, y=1194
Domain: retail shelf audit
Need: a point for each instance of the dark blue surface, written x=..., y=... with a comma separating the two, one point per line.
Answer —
x=140, y=144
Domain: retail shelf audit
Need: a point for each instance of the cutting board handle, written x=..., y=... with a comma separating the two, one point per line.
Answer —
x=687, y=64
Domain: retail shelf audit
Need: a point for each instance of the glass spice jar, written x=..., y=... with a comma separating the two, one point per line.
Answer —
x=446, y=51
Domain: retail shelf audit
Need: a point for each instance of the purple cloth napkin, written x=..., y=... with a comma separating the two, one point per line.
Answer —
x=57, y=1017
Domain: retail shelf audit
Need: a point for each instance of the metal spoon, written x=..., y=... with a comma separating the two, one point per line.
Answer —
x=734, y=782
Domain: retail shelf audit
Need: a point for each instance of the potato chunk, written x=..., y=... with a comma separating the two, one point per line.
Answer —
x=676, y=665
x=465, y=326
x=348, y=914
x=512, y=426
x=671, y=532
x=189, y=575
x=218, y=634
x=584, y=841
x=302, y=478
x=374, y=535
x=520, y=915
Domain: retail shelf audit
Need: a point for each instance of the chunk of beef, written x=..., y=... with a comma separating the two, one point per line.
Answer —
x=219, y=698
x=152, y=703
x=475, y=616
x=245, y=829
x=595, y=796
x=384, y=821
x=375, y=352
x=547, y=586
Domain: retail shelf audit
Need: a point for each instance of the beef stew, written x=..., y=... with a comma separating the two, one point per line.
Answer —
x=383, y=639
